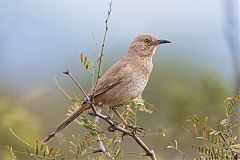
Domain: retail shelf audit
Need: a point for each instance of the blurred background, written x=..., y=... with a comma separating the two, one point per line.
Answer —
x=193, y=75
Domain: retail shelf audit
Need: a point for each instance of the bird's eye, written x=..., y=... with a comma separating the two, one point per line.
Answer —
x=147, y=41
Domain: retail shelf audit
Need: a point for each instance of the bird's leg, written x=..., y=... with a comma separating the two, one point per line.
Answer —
x=119, y=116
x=100, y=105
x=135, y=128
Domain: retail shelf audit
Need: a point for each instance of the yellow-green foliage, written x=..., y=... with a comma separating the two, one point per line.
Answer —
x=21, y=120
x=219, y=142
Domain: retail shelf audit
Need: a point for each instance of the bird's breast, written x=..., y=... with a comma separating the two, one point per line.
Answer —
x=132, y=84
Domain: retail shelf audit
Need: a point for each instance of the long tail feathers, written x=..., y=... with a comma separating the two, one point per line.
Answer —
x=66, y=122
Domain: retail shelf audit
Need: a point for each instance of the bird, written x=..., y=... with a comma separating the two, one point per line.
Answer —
x=123, y=81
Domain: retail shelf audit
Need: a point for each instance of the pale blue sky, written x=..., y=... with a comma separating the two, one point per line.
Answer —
x=40, y=37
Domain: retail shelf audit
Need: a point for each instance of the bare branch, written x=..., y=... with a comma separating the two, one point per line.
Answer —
x=26, y=143
x=76, y=82
x=100, y=59
x=61, y=88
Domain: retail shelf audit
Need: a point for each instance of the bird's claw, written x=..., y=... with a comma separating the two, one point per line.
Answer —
x=135, y=128
x=111, y=118
x=92, y=114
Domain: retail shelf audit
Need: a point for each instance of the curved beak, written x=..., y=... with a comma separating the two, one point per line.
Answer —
x=161, y=41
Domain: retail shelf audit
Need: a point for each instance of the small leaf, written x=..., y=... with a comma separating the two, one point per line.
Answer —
x=85, y=61
x=204, y=132
x=88, y=65
x=81, y=57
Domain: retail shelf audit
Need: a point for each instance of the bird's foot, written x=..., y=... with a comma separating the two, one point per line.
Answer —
x=111, y=118
x=92, y=114
x=135, y=128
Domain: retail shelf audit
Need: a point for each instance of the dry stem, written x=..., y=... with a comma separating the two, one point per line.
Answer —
x=103, y=42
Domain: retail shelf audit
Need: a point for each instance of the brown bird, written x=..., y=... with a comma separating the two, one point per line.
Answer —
x=124, y=81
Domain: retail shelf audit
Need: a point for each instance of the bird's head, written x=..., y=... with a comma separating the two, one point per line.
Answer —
x=145, y=45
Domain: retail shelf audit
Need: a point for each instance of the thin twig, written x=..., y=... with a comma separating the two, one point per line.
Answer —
x=178, y=150
x=95, y=41
x=100, y=59
x=94, y=63
x=21, y=139
x=76, y=82
x=61, y=88
x=113, y=125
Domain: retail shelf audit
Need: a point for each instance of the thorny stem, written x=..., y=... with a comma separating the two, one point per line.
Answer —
x=112, y=123
x=100, y=59
x=94, y=63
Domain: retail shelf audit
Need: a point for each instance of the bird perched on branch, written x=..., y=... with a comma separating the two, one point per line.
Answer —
x=123, y=82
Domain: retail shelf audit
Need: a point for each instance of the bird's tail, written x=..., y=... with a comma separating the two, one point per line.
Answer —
x=67, y=121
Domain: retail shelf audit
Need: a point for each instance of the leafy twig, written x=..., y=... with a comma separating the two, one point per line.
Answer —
x=229, y=147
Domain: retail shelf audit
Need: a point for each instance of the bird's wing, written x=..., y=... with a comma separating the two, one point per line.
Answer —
x=111, y=78
x=104, y=87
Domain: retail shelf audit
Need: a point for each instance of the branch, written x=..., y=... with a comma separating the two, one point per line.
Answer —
x=113, y=125
x=103, y=42
x=102, y=148
x=176, y=148
x=76, y=82
x=26, y=143
x=61, y=88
